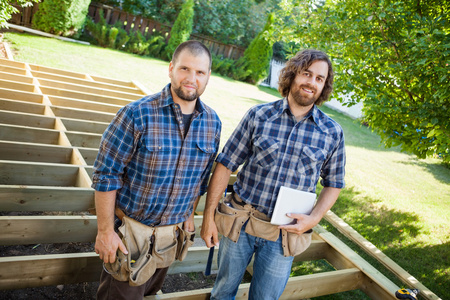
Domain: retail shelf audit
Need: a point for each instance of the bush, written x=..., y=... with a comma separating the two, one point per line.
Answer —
x=61, y=17
x=105, y=35
x=137, y=44
x=157, y=45
x=182, y=27
x=257, y=56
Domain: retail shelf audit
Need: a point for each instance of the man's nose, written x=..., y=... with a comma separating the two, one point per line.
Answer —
x=191, y=76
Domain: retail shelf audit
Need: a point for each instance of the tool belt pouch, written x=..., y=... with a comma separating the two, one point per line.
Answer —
x=294, y=244
x=229, y=220
x=185, y=240
x=259, y=225
x=148, y=248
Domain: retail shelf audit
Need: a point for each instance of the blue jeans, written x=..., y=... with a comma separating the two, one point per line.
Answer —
x=271, y=269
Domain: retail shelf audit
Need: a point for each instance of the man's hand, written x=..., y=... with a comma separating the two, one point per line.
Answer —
x=106, y=245
x=209, y=232
x=302, y=223
x=189, y=225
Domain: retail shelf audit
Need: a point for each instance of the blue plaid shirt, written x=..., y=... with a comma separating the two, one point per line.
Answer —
x=157, y=171
x=276, y=151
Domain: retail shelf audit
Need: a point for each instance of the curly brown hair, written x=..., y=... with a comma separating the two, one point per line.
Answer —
x=300, y=62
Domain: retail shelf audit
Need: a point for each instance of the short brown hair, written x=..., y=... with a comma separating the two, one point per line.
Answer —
x=196, y=48
x=300, y=62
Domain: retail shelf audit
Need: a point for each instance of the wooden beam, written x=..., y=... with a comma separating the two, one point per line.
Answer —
x=21, y=106
x=12, y=69
x=89, y=155
x=87, y=90
x=372, y=250
x=45, y=198
x=84, y=126
x=298, y=287
x=82, y=114
x=21, y=95
x=112, y=81
x=25, y=119
x=12, y=63
x=383, y=287
x=28, y=135
x=83, y=96
x=84, y=105
x=53, y=269
x=23, y=78
x=35, y=152
x=84, y=82
x=32, y=173
x=13, y=85
x=24, y=230
x=89, y=140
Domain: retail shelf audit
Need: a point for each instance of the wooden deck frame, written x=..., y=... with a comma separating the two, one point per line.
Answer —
x=50, y=126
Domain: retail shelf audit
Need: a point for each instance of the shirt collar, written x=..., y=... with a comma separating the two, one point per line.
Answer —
x=313, y=113
x=166, y=99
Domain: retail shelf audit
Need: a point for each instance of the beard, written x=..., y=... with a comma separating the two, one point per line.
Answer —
x=303, y=100
x=185, y=96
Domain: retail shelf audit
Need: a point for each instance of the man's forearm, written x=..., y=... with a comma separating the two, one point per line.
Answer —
x=217, y=185
x=104, y=205
x=326, y=200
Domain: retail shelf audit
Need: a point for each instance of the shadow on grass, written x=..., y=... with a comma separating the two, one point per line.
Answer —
x=376, y=223
x=439, y=171
x=393, y=232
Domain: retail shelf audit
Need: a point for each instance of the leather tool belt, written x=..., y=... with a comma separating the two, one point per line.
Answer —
x=232, y=213
x=149, y=248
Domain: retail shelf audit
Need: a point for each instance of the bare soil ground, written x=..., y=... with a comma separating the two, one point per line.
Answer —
x=87, y=290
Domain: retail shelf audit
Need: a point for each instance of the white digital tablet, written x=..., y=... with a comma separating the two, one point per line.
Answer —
x=292, y=201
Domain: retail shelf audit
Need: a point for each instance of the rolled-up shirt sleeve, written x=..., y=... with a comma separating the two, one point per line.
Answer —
x=237, y=149
x=116, y=149
x=333, y=170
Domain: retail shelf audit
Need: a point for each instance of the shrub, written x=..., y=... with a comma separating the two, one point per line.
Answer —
x=257, y=56
x=137, y=44
x=61, y=17
x=182, y=27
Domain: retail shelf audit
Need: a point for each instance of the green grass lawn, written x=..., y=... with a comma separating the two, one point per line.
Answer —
x=398, y=202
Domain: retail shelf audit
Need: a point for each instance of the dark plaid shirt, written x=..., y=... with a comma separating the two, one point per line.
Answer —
x=276, y=151
x=157, y=170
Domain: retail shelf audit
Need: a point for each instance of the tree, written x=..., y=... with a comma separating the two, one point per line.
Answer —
x=7, y=10
x=257, y=56
x=61, y=17
x=182, y=27
x=393, y=55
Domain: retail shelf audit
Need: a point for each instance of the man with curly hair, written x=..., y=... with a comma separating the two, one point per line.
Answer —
x=290, y=143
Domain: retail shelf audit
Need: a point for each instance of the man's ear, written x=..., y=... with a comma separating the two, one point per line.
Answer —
x=170, y=69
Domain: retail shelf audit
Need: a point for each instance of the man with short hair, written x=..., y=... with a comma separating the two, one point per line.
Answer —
x=154, y=162
x=290, y=143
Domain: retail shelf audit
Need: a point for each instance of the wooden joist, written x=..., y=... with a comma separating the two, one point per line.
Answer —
x=45, y=198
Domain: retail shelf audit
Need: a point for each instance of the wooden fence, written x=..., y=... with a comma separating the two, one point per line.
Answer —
x=51, y=124
x=132, y=23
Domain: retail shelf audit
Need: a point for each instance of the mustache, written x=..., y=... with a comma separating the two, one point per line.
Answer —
x=189, y=83
x=309, y=87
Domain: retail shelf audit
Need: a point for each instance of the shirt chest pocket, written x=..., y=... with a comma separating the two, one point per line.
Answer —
x=265, y=152
x=311, y=160
x=152, y=150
